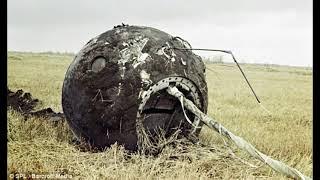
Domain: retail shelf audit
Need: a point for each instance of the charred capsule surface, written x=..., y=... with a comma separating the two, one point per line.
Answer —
x=122, y=74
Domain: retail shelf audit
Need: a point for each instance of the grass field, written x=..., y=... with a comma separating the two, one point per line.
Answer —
x=40, y=147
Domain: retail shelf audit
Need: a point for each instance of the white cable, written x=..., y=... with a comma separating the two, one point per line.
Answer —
x=240, y=142
x=181, y=96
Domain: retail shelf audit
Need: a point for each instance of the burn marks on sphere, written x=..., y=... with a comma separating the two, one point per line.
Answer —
x=101, y=97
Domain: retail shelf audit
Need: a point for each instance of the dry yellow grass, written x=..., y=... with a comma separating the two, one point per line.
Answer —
x=39, y=147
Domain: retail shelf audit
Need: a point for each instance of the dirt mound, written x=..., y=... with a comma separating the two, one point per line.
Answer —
x=24, y=103
x=21, y=101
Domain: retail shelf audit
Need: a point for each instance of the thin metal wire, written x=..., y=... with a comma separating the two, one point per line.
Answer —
x=234, y=59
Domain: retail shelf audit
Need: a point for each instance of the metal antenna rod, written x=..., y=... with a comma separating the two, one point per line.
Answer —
x=234, y=59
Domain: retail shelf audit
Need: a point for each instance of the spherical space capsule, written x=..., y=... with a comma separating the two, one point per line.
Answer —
x=118, y=80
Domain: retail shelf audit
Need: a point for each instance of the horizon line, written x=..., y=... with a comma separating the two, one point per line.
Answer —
x=74, y=53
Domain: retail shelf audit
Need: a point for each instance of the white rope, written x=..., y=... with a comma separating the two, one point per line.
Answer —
x=184, y=112
x=240, y=142
x=180, y=96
